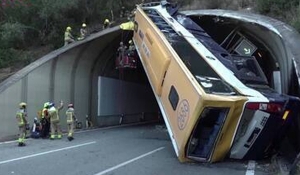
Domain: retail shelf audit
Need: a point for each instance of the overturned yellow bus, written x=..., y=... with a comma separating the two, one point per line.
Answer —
x=202, y=100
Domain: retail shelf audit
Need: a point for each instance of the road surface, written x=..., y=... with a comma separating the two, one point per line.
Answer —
x=142, y=150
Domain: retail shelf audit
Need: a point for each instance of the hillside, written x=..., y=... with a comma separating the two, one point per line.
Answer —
x=32, y=28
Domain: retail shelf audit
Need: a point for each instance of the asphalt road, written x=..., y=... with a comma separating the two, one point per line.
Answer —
x=141, y=150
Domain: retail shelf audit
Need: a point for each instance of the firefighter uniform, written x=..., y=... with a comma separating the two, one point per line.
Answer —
x=83, y=32
x=70, y=113
x=106, y=24
x=45, y=121
x=54, y=121
x=22, y=121
x=68, y=36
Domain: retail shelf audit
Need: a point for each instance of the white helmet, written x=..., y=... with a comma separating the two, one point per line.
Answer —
x=22, y=105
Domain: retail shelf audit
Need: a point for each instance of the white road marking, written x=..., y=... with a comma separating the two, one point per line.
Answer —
x=47, y=152
x=8, y=142
x=90, y=130
x=129, y=161
x=250, y=168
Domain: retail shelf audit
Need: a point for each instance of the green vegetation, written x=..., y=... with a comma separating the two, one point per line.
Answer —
x=284, y=10
x=27, y=25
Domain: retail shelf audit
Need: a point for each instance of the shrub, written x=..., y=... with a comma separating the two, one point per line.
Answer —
x=296, y=23
x=16, y=58
x=7, y=57
x=12, y=35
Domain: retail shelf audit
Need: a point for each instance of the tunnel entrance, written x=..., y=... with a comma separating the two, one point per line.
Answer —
x=123, y=89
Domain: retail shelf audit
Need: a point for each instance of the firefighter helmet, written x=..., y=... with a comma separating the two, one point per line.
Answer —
x=51, y=104
x=46, y=105
x=106, y=21
x=22, y=105
x=70, y=105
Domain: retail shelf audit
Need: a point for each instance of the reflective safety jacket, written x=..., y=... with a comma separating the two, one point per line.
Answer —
x=68, y=36
x=83, y=32
x=70, y=115
x=21, y=117
x=131, y=47
x=53, y=114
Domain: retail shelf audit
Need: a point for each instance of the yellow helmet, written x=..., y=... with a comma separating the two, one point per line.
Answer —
x=106, y=21
x=130, y=42
x=69, y=28
x=22, y=105
x=46, y=105
x=83, y=25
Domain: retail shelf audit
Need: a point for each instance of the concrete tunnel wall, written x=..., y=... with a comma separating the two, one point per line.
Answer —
x=71, y=74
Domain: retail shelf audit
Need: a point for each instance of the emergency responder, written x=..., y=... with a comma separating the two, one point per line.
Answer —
x=54, y=120
x=131, y=54
x=106, y=24
x=121, y=53
x=36, y=129
x=22, y=121
x=83, y=32
x=122, y=49
x=45, y=121
x=71, y=118
x=131, y=47
x=68, y=36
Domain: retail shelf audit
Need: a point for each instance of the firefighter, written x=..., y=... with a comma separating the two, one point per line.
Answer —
x=22, y=121
x=54, y=120
x=131, y=54
x=45, y=121
x=68, y=36
x=122, y=49
x=106, y=24
x=83, y=32
x=131, y=47
x=71, y=118
x=121, y=54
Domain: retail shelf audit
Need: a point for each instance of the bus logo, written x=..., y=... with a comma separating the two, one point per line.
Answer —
x=183, y=111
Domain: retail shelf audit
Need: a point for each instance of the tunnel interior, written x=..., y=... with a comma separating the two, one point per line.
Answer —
x=136, y=75
x=125, y=93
